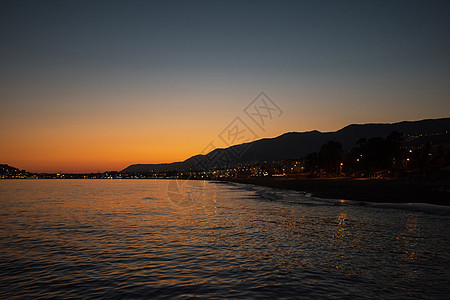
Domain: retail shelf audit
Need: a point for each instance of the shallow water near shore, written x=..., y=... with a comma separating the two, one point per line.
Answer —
x=170, y=239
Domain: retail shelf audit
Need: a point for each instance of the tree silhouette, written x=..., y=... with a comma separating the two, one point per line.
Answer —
x=331, y=156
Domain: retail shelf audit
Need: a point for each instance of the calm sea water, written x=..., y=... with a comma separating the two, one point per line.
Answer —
x=170, y=239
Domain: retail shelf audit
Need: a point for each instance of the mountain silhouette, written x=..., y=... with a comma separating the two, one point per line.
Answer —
x=295, y=145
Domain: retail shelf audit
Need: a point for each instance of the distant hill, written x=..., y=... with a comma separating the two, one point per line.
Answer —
x=7, y=170
x=294, y=145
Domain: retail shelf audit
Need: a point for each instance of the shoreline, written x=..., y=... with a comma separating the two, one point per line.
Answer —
x=369, y=190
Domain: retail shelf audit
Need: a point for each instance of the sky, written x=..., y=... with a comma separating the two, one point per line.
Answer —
x=89, y=86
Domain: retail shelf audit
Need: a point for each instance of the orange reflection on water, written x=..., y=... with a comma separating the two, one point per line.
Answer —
x=411, y=238
x=342, y=218
x=411, y=254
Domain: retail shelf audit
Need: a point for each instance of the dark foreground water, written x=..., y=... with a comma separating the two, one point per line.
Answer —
x=148, y=238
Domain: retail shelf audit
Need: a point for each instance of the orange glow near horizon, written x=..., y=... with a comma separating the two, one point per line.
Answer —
x=88, y=132
x=91, y=136
x=93, y=150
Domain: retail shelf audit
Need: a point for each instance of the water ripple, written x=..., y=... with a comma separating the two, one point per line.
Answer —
x=125, y=239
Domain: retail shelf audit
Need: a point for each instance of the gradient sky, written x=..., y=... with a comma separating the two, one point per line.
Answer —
x=98, y=85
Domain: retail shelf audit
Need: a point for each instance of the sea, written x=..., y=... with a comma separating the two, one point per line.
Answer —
x=184, y=239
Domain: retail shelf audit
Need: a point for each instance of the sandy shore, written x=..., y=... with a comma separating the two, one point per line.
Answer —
x=374, y=190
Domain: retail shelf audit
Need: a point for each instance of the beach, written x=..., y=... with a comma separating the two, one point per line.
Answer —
x=370, y=190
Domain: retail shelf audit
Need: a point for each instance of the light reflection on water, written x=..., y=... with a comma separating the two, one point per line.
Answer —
x=128, y=238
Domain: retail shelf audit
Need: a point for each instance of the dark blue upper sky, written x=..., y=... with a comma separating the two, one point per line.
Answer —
x=324, y=38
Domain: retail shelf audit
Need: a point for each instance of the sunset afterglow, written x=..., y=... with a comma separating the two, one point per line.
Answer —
x=82, y=92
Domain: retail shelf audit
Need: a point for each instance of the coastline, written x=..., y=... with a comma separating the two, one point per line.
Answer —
x=370, y=190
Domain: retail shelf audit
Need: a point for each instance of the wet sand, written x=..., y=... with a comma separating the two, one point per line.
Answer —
x=371, y=190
